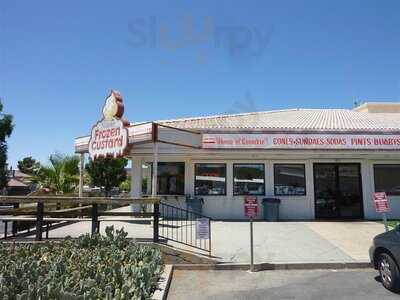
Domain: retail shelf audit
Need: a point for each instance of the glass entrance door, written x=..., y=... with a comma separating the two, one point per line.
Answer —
x=338, y=191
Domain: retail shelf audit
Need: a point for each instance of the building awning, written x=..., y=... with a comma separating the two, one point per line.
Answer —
x=151, y=132
x=281, y=129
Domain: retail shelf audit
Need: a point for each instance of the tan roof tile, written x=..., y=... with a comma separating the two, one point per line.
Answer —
x=295, y=119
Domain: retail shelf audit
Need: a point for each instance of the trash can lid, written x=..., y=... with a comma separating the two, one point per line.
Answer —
x=271, y=200
x=194, y=199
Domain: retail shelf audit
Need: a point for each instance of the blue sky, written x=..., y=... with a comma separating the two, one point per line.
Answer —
x=59, y=60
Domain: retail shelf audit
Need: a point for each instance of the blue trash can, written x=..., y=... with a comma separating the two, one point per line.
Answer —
x=195, y=204
x=271, y=209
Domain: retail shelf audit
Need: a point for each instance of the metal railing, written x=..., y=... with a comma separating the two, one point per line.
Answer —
x=42, y=214
x=179, y=225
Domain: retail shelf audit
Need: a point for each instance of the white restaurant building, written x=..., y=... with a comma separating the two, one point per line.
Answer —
x=321, y=163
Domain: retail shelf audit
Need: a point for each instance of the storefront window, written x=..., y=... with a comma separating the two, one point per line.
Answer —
x=387, y=179
x=170, y=179
x=289, y=180
x=210, y=179
x=248, y=179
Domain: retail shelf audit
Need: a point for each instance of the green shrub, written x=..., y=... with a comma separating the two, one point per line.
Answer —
x=98, y=267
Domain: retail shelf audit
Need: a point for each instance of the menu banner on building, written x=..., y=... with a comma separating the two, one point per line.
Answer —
x=300, y=141
x=109, y=136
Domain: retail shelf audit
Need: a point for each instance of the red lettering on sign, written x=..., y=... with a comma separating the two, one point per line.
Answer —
x=381, y=202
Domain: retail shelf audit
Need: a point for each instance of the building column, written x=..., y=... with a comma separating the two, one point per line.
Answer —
x=81, y=169
x=136, y=182
x=229, y=180
x=154, y=187
x=189, y=179
x=310, y=189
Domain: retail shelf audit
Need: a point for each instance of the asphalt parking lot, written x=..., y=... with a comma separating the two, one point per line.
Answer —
x=310, y=284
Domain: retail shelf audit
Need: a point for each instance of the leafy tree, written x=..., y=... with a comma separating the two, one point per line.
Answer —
x=126, y=184
x=6, y=128
x=28, y=165
x=107, y=172
x=62, y=175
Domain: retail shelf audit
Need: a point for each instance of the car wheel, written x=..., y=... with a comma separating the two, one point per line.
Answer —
x=389, y=272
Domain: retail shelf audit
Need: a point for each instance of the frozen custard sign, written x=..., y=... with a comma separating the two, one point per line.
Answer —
x=109, y=136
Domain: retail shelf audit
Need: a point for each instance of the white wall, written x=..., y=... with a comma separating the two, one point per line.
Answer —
x=292, y=207
x=394, y=201
x=231, y=207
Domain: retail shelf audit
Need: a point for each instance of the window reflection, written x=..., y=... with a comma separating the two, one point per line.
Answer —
x=170, y=178
x=248, y=179
x=289, y=180
x=210, y=179
x=387, y=179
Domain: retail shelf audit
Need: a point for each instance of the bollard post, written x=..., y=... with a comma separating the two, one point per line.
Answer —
x=156, y=215
x=95, y=218
x=39, y=221
x=47, y=230
x=5, y=229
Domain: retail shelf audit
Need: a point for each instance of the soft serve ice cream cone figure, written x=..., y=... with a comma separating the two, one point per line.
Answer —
x=110, y=109
x=109, y=137
x=113, y=108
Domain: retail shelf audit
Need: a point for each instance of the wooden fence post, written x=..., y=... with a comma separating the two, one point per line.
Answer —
x=156, y=215
x=14, y=226
x=39, y=221
x=95, y=218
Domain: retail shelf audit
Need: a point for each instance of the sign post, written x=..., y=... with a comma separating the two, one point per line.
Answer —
x=251, y=246
x=251, y=211
x=382, y=206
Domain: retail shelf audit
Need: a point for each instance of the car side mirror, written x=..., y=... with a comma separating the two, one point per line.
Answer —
x=397, y=228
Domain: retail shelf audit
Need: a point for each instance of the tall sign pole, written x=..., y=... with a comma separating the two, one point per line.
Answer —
x=154, y=188
x=251, y=246
x=155, y=160
x=251, y=211
x=81, y=169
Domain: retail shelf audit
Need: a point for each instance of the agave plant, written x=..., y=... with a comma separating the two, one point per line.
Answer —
x=61, y=175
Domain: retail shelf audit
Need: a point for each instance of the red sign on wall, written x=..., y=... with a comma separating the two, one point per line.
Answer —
x=250, y=207
x=381, y=202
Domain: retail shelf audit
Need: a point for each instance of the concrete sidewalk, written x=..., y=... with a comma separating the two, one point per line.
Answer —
x=134, y=230
x=294, y=241
x=280, y=242
x=275, y=242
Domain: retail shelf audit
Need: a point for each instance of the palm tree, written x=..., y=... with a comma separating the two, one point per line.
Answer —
x=61, y=176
